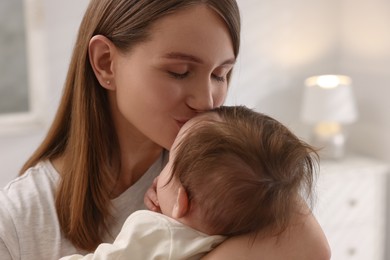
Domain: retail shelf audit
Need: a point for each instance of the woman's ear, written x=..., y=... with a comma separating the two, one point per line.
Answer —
x=180, y=208
x=100, y=56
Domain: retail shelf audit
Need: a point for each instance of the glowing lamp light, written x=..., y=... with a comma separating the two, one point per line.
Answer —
x=328, y=105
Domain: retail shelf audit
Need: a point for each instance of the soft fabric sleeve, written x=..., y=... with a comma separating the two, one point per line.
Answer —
x=4, y=252
x=9, y=243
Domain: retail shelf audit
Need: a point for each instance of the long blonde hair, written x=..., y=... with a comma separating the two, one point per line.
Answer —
x=82, y=130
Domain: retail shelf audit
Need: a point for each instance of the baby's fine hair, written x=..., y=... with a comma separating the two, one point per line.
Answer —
x=245, y=171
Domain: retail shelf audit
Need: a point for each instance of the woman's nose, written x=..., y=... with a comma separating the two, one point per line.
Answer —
x=201, y=97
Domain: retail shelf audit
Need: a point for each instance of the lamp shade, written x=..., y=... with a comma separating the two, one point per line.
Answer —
x=328, y=98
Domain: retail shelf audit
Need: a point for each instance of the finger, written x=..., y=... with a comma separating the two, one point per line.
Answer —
x=151, y=205
x=150, y=198
x=152, y=192
x=154, y=184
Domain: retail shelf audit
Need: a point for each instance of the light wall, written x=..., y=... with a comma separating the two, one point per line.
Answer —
x=365, y=56
x=59, y=21
x=283, y=42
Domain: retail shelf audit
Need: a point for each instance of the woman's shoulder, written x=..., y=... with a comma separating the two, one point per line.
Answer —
x=40, y=178
x=27, y=212
x=30, y=192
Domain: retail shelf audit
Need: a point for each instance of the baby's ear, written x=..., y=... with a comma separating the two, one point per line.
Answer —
x=180, y=208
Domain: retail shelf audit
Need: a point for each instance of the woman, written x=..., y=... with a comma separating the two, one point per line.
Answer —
x=139, y=71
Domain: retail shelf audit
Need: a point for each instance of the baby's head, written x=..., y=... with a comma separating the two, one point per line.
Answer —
x=239, y=171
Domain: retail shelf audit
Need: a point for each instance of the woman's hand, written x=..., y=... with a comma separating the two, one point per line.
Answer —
x=150, y=198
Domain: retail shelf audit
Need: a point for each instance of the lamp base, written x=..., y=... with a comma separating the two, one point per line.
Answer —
x=330, y=140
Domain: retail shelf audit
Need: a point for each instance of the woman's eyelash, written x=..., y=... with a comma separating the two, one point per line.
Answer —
x=185, y=74
x=178, y=75
x=218, y=78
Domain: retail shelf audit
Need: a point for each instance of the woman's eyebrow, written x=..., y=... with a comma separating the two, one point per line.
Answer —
x=183, y=56
x=192, y=58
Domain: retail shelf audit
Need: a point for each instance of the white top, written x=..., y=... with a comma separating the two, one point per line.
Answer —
x=149, y=235
x=29, y=227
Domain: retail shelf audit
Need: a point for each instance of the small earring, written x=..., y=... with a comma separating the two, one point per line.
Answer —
x=108, y=82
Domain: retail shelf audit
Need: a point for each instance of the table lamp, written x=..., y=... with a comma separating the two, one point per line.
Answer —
x=329, y=105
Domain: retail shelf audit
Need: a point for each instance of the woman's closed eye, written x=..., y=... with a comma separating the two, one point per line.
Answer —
x=218, y=78
x=185, y=74
x=220, y=74
x=178, y=75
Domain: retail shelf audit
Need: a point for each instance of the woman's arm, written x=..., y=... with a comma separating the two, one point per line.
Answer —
x=302, y=240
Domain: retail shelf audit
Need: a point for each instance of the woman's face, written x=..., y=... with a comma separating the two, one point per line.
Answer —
x=180, y=71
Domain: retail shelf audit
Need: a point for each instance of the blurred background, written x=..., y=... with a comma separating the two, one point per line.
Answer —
x=284, y=42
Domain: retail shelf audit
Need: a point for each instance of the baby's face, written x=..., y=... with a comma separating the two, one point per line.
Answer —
x=167, y=187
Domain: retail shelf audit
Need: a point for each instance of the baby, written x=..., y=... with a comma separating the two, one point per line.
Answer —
x=231, y=171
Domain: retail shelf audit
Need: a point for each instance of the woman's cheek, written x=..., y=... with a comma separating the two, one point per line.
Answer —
x=220, y=97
